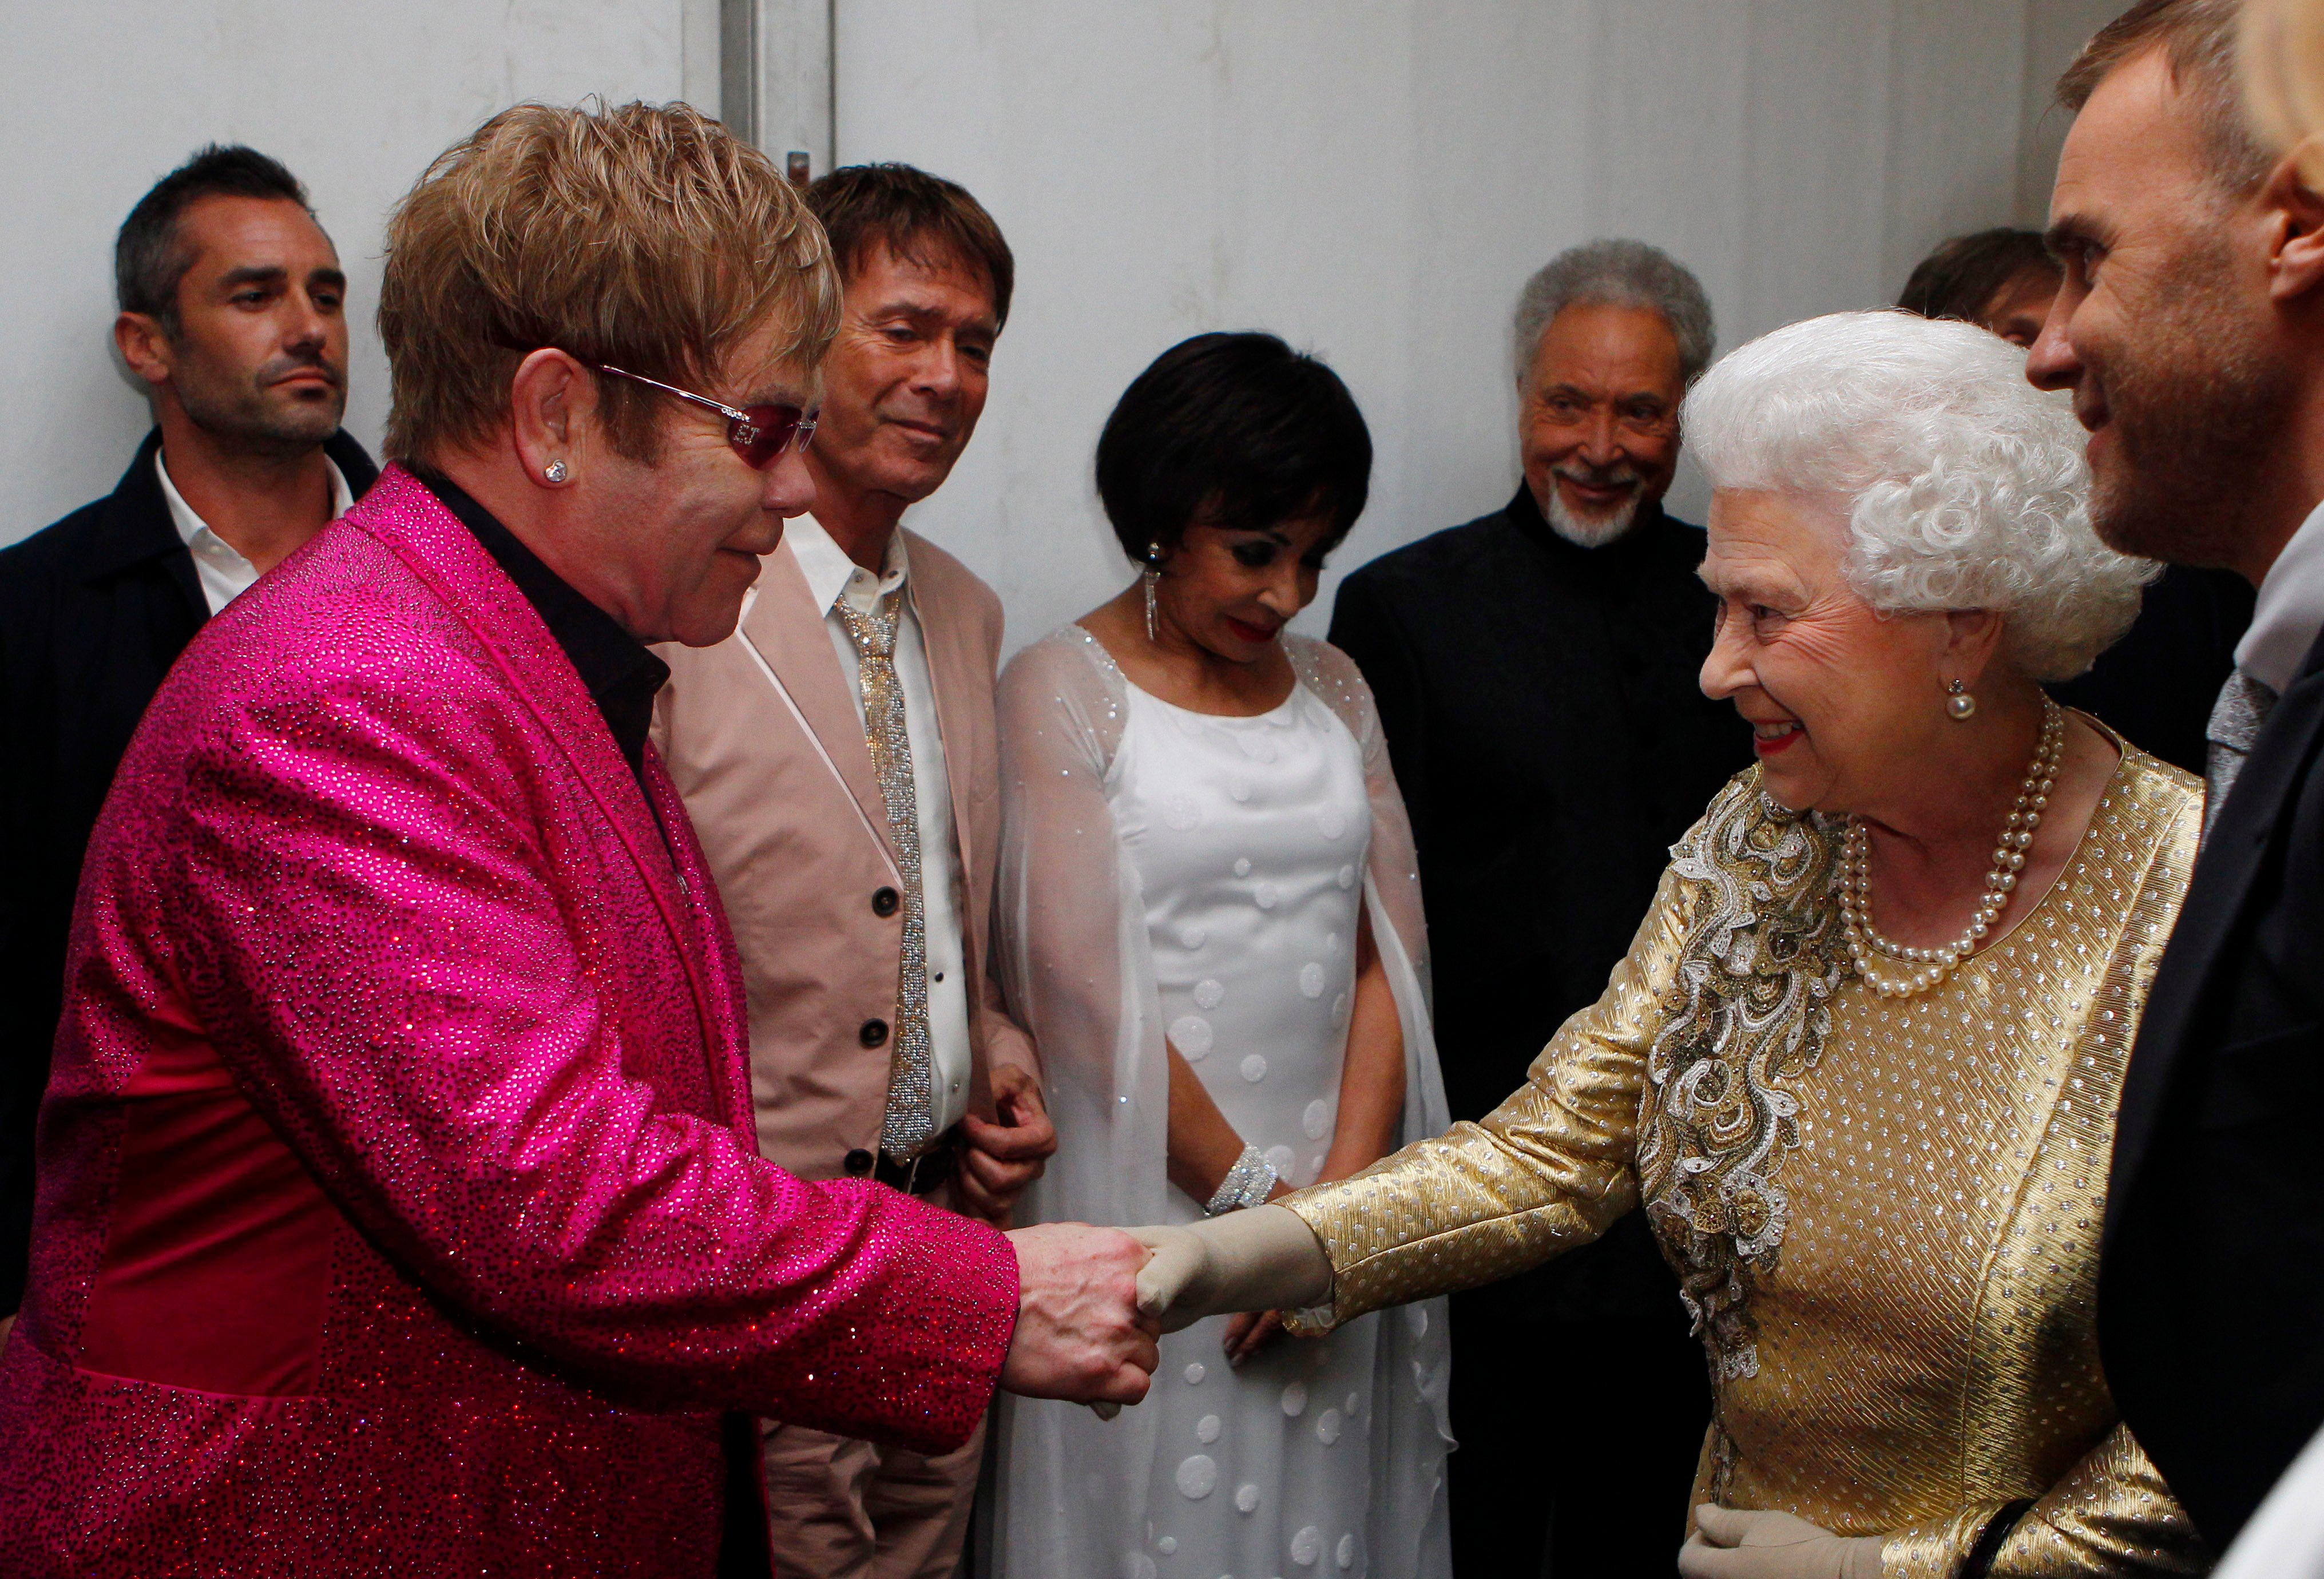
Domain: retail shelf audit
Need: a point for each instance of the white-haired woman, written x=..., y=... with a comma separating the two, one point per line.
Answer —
x=1860, y=1064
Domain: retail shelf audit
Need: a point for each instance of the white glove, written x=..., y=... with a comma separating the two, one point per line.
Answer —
x=1734, y=1543
x=1264, y=1258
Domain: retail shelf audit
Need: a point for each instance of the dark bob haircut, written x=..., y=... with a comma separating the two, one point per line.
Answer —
x=148, y=263
x=1957, y=279
x=1233, y=430
x=918, y=217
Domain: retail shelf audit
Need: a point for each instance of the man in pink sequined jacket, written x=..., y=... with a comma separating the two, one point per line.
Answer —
x=398, y=1205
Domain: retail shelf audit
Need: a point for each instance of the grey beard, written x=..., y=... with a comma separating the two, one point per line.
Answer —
x=1589, y=531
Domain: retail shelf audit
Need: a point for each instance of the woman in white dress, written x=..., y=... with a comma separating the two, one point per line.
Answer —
x=1209, y=918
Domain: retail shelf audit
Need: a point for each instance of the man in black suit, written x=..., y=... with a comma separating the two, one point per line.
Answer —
x=2190, y=328
x=232, y=311
x=1538, y=677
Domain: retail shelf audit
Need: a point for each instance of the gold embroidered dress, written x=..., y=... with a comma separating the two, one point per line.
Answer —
x=1885, y=1212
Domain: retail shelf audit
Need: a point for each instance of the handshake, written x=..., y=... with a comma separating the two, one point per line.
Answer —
x=1092, y=1303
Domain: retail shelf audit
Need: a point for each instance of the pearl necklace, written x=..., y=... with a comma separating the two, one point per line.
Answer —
x=1929, y=966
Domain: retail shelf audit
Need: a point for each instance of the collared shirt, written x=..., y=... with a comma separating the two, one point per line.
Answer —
x=615, y=669
x=831, y=577
x=224, y=574
x=2290, y=612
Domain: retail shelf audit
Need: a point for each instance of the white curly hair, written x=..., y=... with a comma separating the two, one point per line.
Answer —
x=1962, y=485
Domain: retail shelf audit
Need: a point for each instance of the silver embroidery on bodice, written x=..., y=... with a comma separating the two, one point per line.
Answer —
x=1749, y=1013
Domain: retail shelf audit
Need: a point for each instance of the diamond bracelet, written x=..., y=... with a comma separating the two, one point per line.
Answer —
x=1248, y=1182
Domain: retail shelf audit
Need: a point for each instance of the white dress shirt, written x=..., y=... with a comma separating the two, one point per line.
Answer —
x=2290, y=610
x=832, y=576
x=2285, y=1537
x=225, y=575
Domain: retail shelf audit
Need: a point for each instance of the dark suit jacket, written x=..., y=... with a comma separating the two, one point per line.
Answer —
x=2212, y=1287
x=2157, y=684
x=1543, y=713
x=93, y=612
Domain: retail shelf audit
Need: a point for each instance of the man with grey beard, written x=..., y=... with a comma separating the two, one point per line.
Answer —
x=233, y=316
x=1538, y=677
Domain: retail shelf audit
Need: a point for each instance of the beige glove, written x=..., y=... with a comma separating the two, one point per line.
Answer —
x=1264, y=1258
x=1733, y=1543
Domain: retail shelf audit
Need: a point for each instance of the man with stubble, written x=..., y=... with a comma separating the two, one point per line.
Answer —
x=233, y=314
x=2190, y=330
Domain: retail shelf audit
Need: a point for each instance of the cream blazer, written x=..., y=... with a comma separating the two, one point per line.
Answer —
x=762, y=737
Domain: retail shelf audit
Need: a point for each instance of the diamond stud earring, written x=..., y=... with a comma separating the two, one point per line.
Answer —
x=554, y=471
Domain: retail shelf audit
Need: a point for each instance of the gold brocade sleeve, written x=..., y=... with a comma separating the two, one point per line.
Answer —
x=2109, y=1515
x=1547, y=1170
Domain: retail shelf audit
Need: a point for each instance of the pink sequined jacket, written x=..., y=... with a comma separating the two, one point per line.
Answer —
x=399, y=1209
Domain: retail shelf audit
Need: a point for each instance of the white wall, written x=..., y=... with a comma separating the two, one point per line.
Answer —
x=2054, y=30
x=105, y=96
x=1374, y=179
x=1370, y=178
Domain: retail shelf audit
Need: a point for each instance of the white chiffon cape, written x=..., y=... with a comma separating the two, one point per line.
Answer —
x=1073, y=944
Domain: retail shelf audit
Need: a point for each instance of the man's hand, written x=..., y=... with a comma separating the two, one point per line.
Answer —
x=1079, y=1332
x=1731, y=1543
x=1000, y=1159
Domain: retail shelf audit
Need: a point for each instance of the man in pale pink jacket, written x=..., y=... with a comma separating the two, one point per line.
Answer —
x=400, y=1210
x=858, y=869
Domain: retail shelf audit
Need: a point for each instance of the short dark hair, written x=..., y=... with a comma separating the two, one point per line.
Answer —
x=1234, y=431
x=149, y=262
x=2198, y=40
x=912, y=213
x=1957, y=279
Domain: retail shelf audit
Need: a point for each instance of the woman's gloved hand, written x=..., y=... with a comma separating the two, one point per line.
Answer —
x=1736, y=1543
x=1264, y=1258
x=1260, y=1258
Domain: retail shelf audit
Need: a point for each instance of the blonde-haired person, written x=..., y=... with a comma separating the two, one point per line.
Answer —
x=400, y=1210
x=1860, y=1064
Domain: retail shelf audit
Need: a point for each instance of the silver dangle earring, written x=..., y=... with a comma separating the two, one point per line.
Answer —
x=1152, y=578
x=554, y=471
x=1960, y=706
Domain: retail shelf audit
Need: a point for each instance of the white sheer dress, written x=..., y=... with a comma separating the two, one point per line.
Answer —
x=1173, y=872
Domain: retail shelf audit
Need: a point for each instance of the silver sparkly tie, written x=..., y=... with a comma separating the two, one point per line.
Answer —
x=2236, y=718
x=910, y=1122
